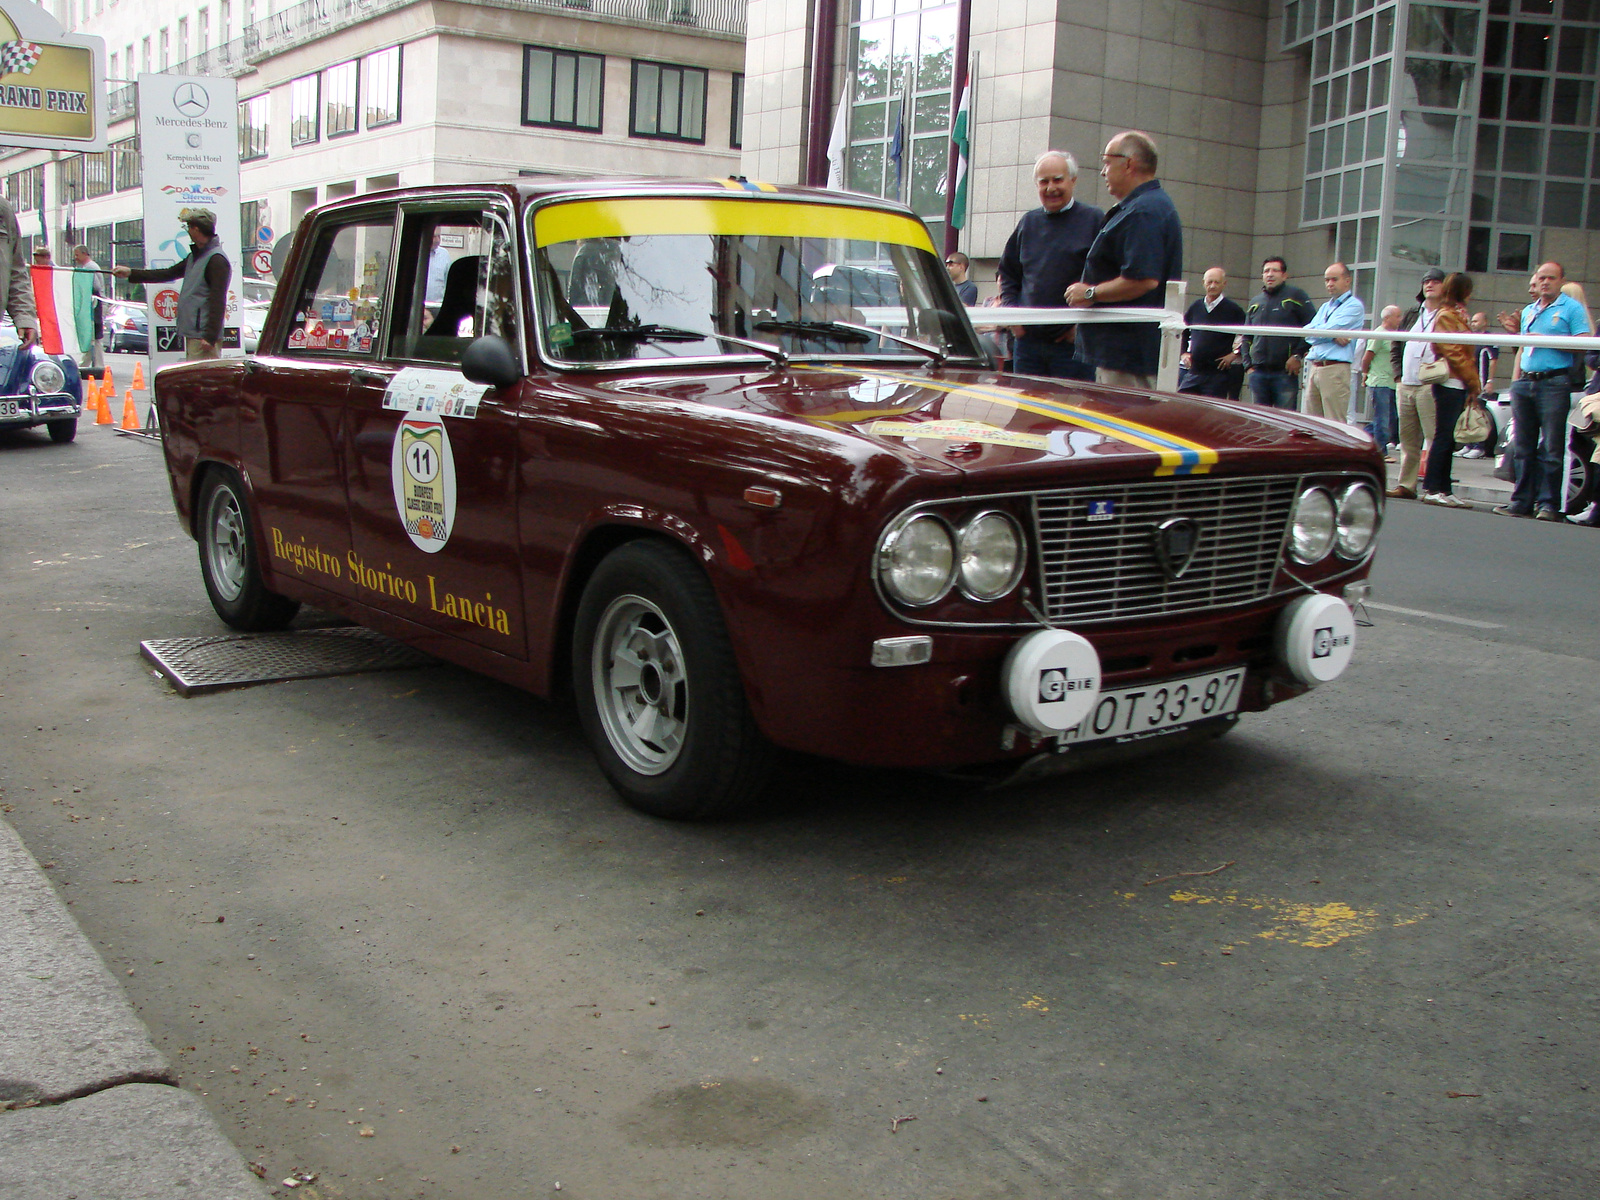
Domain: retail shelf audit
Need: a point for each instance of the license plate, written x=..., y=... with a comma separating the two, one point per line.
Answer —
x=8, y=408
x=1147, y=710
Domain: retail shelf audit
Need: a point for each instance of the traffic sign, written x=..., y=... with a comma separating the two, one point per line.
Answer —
x=262, y=259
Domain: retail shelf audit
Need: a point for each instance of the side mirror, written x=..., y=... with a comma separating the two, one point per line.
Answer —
x=491, y=360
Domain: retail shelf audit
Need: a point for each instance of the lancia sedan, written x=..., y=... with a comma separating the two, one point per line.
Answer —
x=633, y=442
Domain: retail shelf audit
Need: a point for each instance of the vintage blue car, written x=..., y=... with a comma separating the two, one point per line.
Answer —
x=37, y=388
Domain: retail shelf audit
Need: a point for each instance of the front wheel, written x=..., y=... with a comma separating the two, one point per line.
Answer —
x=658, y=690
x=228, y=559
x=62, y=431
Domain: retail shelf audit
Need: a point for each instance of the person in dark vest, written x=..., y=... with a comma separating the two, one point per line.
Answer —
x=203, y=296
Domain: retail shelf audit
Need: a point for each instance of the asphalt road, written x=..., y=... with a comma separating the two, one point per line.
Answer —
x=406, y=905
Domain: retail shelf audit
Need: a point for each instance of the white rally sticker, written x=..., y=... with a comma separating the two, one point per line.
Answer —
x=424, y=473
x=427, y=390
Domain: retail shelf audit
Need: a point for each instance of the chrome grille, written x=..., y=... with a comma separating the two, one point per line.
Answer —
x=1107, y=571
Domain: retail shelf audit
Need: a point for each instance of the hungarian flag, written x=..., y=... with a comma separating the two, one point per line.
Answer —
x=962, y=147
x=58, y=324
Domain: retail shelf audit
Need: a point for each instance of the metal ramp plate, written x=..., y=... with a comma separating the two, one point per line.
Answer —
x=197, y=665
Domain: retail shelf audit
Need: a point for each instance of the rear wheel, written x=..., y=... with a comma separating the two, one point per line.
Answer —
x=62, y=431
x=228, y=558
x=658, y=691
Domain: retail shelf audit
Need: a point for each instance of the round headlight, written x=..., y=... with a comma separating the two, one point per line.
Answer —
x=917, y=560
x=48, y=377
x=1358, y=520
x=1314, y=526
x=990, y=546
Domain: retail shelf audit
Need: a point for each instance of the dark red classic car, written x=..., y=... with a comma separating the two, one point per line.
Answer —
x=658, y=442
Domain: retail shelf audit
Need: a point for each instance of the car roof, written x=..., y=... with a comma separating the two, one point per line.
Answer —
x=539, y=190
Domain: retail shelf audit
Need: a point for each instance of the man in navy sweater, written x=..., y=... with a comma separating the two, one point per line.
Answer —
x=1209, y=364
x=1044, y=255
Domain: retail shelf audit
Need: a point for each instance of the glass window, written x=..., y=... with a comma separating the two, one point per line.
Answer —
x=339, y=107
x=1578, y=54
x=304, y=110
x=1341, y=48
x=1355, y=141
x=736, y=125
x=1524, y=151
x=1439, y=84
x=561, y=88
x=253, y=127
x=1569, y=154
x=1487, y=157
x=1525, y=98
x=1338, y=89
x=1516, y=252
x=1563, y=205
x=1380, y=84
x=1483, y=198
x=1314, y=144
x=1383, y=33
x=1519, y=202
x=1321, y=52
x=1573, y=102
x=1372, y=189
x=1435, y=29
x=1335, y=151
x=381, y=88
x=1530, y=47
x=456, y=282
x=1311, y=202
x=1376, y=127
x=1495, y=38
x=1491, y=97
x=668, y=102
x=129, y=166
x=97, y=174
x=339, y=308
x=723, y=272
x=1422, y=189
x=1362, y=50
x=1358, y=90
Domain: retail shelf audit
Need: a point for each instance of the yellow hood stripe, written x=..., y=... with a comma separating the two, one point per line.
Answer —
x=1179, y=456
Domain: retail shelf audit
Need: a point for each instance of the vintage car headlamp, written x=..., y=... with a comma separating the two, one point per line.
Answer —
x=1314, y=526
x=48, y=376
x=1358, y=520
x=917, y=559
x=990, y=550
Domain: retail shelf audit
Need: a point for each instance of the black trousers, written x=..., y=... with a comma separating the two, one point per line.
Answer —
x=1225, y=384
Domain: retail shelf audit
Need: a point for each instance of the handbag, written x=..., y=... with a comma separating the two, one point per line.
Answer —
x=1473, y=424
x=1437, y=371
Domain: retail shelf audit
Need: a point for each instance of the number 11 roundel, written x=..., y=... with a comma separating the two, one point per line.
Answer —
x=424, y=473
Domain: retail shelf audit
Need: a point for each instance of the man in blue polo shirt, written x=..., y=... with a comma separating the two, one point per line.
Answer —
x=1137, y=250
x=1329, y=358
x=1541, y=395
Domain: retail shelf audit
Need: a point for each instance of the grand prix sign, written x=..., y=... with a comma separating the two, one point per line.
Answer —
x=52, y=83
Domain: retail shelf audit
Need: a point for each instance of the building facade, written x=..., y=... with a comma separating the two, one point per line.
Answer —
x=1392, y=134
x=338, y=97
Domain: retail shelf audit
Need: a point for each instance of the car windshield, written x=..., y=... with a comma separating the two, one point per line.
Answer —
x=633, y=279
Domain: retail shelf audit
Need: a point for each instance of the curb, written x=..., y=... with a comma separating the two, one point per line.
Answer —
x=88, y=1106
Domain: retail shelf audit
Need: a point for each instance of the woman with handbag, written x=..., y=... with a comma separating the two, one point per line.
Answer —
x=1453, y=371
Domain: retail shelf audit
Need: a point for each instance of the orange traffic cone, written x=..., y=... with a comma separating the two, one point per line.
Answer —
x=108, y=383
x=130, y=415
x=138, y=377
x=103, y=417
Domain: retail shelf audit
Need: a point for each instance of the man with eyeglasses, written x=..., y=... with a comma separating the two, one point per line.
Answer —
x=1044, y=254
x=958, y=264
x=1137, y=250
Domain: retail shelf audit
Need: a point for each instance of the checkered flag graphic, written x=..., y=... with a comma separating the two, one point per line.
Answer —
x=18, y=58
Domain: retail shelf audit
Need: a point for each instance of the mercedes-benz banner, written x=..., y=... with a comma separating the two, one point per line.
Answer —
x=190, y=147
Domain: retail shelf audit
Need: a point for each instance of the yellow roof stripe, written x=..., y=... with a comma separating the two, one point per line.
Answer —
x=744, y=217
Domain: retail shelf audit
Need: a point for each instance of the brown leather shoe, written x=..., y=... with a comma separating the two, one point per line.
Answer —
x=1400, y=492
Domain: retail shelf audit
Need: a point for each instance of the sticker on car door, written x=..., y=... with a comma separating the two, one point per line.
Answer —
x=424, y=474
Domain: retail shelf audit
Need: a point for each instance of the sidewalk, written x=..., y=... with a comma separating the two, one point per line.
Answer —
x=89, y=1108
x=1474, y=479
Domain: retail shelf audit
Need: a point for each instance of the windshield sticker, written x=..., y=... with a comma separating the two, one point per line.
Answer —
x=424, y=474
x=560, y=334
x=426, y=390
x=959, y=431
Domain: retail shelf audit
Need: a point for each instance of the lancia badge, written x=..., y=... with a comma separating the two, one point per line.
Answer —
x=1175, y=540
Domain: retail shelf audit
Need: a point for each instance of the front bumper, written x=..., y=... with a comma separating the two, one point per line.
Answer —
x=36, y=410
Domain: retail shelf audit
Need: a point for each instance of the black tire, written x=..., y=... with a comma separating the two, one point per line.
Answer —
x=1581, y=486
x=62, y=431
x=679, y=741
x=228, y=558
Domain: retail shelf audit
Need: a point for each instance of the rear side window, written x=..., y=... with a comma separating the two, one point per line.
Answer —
x=455, y=281
x=339, y=308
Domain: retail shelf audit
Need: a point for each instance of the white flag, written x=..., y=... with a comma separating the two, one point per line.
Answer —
x=839, y=143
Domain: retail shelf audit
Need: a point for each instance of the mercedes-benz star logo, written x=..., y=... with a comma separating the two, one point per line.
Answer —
x=191, y=99
x=1175, y=540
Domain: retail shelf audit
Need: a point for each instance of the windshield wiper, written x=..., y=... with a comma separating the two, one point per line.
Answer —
x=849, y=331
x=670, y=333
x=832, y=330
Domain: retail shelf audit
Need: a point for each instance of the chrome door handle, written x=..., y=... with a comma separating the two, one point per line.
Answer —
x=373, y=377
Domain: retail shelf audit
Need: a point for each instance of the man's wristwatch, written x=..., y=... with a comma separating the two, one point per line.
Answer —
x=1088, y=292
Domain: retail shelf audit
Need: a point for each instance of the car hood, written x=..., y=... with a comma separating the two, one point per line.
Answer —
x=982, y=421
